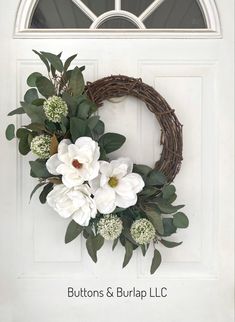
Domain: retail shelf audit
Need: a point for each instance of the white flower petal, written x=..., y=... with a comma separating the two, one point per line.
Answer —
x=105, y=168
x=122, y=166
x=52, y=164
x=125, y=202
x=63, y=151
x=74, y=202
x=136, y=181
x=105, y=200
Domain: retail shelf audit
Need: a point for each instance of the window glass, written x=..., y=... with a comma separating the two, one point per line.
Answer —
x=99, y=6
x=117, y=23
x=176, y=14
x=135, y=6
x=170, y=14
x=59, y=14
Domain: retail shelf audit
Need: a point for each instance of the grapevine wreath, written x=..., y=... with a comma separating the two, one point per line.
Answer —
x=112, y=200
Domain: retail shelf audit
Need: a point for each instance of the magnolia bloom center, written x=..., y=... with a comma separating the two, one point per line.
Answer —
x=113, y=182
x=76, y=164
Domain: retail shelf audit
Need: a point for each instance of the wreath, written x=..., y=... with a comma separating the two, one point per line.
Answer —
x=113, y=200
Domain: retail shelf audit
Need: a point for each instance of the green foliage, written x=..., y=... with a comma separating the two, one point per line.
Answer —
x=17, y=111
x=111, y=142
x=38, y=169
x=78, y=128
x=169, y=244
x=35, y=113
x=155, y=178
x=44, y=193
x=76, y=83
x=157, y=259
x=10, y=132
x=180, y=220
x=169, y=227
x=31, y=95
x=31, y=80
x=45, y=86
x=43, y=59
x=54, y=60
x=156, y=220
x=73, y=231
x=39, y=185
x=128, y=253
x=68, y=62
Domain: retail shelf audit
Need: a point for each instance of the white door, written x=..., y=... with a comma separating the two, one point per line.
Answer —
x=191, y=66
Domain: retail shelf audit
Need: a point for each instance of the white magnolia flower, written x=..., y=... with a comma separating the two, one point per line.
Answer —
x=116, y=186
x=75, y=202
x=75, y=162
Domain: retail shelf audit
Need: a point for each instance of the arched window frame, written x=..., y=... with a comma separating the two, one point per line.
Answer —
x=26, y=9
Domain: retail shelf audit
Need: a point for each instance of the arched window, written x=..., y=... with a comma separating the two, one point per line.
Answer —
x=119, y=15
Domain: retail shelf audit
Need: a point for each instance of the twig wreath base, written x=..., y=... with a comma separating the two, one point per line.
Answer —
x=105, y=199
x=171, y=129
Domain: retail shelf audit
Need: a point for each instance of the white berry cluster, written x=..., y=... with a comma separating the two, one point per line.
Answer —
x=110, y=227
x=40, y=146
x=142, y=231
x=55, y=108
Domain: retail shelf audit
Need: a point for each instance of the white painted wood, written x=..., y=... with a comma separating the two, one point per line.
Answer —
x=150, y=9
x=26, y=7
x=114, y=13
x=196, y=78
x=118, y=4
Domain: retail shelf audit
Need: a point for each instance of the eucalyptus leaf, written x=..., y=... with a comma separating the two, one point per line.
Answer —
x=156, y=220
x=71, y=102
x=24, y=147
x=169, y=227
x=45, y=192
x=39, y=185
x=111, y=142
x=38, y=169
x=99, y=241
x=18, y=110
x=22, y=132
x=31, y=95
x=10, y=132
x=73, y=231
x=78, y=128
x=142, y=169
x=168, y=191
x=45, y=86
x=166, y=207
x=180, y=220
x=157, y=259
x=155, y=178
x=169, y=244
x=54, y=60
x=43, y=59
x=31, y=80
x=76, y=82
x=91, y=248
x=35, y=113
x=115, y=242
x=68, y=62
x=128, y=253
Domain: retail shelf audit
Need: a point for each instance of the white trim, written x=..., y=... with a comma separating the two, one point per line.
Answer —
x=120, y=13
x=26, y=7
x=152, y=7
x=118, y=4
x=85, y=9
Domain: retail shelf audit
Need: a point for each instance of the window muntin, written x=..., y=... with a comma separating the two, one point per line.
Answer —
x=118, y=14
